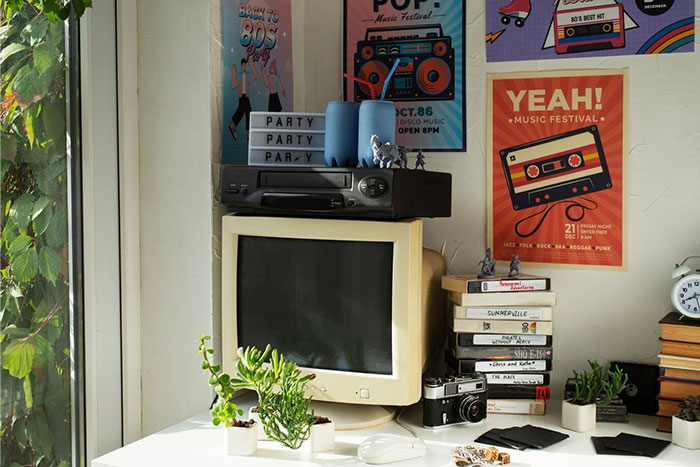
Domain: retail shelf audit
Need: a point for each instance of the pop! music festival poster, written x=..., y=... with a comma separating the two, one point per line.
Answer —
x=541, y=29
x=556, y=168
x=257, y=68
x=426, y=37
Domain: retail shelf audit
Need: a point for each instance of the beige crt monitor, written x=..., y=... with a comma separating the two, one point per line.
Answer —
x=356, y=302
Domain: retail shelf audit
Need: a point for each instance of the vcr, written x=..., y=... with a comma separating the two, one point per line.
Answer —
x=337, y=192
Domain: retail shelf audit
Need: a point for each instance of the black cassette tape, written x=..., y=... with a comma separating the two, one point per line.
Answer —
x=555, y=168
x=426, y=68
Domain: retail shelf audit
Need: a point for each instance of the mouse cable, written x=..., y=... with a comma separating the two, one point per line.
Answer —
x=403, y=425
x=571, y=205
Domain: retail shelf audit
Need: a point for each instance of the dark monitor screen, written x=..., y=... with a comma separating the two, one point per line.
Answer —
x=324, y=304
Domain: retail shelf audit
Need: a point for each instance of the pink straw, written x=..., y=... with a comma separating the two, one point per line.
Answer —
x=365, y=82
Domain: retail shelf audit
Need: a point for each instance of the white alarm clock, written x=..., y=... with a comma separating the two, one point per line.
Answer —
x=685, y=293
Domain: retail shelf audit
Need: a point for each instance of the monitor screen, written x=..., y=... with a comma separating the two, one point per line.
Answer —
x=324, y=304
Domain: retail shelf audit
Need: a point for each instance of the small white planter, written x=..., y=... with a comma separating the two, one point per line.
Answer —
x=685, y=434
x=577, y=417
x=258, y=423
x=241, y=441
x=322, y=437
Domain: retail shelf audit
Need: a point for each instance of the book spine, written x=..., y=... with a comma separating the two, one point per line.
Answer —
x=503, y=313
x=494, y=379
x=507, y=285
x=518, y=392
x=539, y=298
x=504, y=353
x=516, y=406
x=503, y=327
x=465, y=339
x=466, y=365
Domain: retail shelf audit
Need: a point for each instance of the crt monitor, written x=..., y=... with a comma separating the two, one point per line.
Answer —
x=344, y=299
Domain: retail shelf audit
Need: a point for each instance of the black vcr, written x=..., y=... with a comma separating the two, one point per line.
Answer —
x=337, y=192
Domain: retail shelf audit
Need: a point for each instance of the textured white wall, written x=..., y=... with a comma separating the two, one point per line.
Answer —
x=175, y=145
x=603, y=315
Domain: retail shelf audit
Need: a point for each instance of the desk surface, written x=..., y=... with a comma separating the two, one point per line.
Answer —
x=195, y=442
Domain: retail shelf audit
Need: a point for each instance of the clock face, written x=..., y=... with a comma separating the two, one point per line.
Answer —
x=686, y=295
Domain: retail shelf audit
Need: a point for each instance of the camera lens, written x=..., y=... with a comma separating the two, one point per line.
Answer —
x=471, y=409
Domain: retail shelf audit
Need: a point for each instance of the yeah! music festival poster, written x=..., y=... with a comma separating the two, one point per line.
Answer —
x=428, y=87
x=557, y=186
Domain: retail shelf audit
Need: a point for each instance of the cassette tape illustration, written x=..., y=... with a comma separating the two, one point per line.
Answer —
x=593, y=28
x=555, y=168
x=426, y=68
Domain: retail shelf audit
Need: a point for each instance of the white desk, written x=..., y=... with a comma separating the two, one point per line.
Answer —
x=195, y=442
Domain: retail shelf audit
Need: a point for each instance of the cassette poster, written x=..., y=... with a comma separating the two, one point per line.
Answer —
x=556, y=169
x=538, y=30
x=257, y=68
x=422, y=42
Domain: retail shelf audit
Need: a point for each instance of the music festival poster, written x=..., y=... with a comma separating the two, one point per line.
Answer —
x=428, y=86
x=556, y=167
x=257, y=68
x=539, y=30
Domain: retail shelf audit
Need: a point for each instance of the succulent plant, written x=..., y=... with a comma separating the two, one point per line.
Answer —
x=598, y=386
x=690, y=409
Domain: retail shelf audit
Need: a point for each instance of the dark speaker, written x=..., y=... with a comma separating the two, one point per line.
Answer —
x=642, y=387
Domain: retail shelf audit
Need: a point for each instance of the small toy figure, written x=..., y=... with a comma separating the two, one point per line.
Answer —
x=420, y=161
x=514, y=267
x=385, y=154
x=402, y=160
x=488, y=266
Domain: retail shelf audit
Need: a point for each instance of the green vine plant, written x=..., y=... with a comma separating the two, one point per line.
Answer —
x=282, y=405
x=598, y=386
x=224, y=411
x=690, y=409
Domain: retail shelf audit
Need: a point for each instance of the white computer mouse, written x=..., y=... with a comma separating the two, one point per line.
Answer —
x=385, y=448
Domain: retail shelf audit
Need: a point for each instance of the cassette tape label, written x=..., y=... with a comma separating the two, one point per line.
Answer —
x=599, y=27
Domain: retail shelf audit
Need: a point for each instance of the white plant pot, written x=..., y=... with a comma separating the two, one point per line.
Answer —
x=685, y=434
x=258, y=423
x=577, y=417
x=241, y=441
x=322, y=437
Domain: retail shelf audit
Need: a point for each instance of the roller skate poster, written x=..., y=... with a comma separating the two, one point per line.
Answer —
x=540, y=29
x=257, y=68
x=412, y=53
x=556, y=170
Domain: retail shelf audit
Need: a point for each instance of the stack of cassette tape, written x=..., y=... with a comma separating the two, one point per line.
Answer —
x=502, y=327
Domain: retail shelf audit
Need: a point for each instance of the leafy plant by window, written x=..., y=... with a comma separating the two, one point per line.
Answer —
x=34, y=316
x=690, y=409
x=598, y=386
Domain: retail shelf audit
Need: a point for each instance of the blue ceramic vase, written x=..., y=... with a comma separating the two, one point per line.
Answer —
x=341, y=134
x=376, y=118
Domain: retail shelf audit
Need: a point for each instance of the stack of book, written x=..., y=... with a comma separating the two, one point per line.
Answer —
x=502, y=327
x=679, y=365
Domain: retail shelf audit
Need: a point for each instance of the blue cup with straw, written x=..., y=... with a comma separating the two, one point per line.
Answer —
x=377, y=117
x=341, y=134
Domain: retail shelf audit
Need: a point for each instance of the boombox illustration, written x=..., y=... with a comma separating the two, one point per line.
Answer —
x=555, y=168
x=584, y=29
x=426, y=68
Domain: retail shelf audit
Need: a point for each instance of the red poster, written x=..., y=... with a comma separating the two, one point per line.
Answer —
x=557, y=142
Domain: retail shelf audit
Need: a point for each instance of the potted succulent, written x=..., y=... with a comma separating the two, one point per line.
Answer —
x=240, y=435
x=592, y=388
x=282, y=407
x=322, y=437
x=686, y=425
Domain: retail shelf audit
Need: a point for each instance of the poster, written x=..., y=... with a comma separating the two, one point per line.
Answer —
x=428, y=86
x=557, y=190
x=257, y=71
x=538, y=30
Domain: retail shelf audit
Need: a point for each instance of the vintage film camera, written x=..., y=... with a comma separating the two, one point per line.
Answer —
x=454, y=399
x=426, y=68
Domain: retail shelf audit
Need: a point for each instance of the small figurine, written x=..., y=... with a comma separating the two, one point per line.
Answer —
x=385, y=154
x=402, y=160
x=488, y=266
x=514, y=268
x=420, y=161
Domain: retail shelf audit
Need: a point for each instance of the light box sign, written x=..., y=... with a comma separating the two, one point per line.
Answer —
x=287, y=139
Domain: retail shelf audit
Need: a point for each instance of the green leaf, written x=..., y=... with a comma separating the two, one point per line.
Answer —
x=20, y=244
x=10, y=50
x=29, y=127
x=10, y=232
x=35, y=31
x=14, y=332
x=56, y=234
x=49, y=264
x=29, y=85
x=28, y=397
x=40, y=205
x=47, y=178
x=25, y=265
x=79, y=7
x=21, y=211
x=41, y=221
x=43, y=58
x=20, y=431
x=54, y=117
x=18, y=357
x=38, y=432
x=4, y=166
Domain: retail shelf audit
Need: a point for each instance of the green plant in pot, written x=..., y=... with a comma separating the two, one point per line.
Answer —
x=593, y=388
x=686, y=425
x=240, y=435
x=282, y=406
